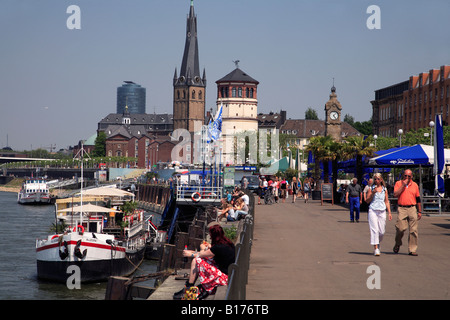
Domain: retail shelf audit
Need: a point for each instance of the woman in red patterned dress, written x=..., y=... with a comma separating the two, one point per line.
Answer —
x=210, y=264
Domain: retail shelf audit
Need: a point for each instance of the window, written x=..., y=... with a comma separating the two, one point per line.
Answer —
x=251, y=93
x=224, y=92
x=193, y=94
x=233, y=92
x=240, y=92
x=247, y=93
x=200, y=95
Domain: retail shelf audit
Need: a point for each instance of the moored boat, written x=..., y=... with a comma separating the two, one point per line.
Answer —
x=34, y=191
x=94, y=241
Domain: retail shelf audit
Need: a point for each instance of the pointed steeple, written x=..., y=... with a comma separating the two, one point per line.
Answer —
x=175, y=77
x=190, y=63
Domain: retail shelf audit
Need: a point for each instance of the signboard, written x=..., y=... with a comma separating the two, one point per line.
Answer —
x=228, y=177
x=327, y=192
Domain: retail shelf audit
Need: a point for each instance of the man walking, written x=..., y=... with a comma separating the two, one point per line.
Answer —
x=408, y=195
x=354, y=197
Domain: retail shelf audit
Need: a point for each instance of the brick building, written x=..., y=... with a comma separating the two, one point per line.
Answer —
x=428, y=94
x=412, y=104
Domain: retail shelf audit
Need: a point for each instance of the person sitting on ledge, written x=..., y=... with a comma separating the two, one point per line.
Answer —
x=225, y=210
x=210, y=264
x=240, y=209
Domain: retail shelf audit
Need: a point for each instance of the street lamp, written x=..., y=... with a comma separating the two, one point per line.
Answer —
x=375, y=137
x=400, y=132
x=431, y=132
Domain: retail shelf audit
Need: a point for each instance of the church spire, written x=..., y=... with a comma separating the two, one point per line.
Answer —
x=190, y=63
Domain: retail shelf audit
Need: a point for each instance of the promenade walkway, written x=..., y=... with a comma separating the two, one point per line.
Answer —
x=310, y=251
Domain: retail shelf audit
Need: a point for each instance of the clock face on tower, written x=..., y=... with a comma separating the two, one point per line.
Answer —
x=334, y=115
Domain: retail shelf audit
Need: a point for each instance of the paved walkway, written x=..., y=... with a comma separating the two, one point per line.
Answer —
x=309, y=251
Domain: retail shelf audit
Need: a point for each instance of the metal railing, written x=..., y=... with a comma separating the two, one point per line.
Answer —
x=238, y=271
x=193, y=193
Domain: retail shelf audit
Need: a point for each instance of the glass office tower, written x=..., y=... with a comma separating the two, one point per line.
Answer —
x=132, y=95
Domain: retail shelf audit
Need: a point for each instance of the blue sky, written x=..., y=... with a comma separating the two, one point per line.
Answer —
x=56, y=83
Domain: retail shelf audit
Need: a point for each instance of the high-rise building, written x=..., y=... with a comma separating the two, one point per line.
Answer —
x=132, y=95
x=189, y=86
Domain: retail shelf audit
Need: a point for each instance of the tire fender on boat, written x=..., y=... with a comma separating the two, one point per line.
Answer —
x=75, y=229
x=196, y=197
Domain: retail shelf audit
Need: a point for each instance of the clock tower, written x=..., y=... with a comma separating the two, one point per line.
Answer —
x=333, y=122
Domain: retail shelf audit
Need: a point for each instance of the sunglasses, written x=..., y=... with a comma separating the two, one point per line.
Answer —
x=407, y=176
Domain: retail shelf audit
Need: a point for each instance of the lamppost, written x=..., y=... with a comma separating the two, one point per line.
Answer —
x=375, y=137
x=400, y=132
x=431, y=132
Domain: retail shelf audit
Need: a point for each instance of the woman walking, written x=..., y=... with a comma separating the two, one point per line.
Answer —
x=294, y=188
x=307, y=189
x=378, y=201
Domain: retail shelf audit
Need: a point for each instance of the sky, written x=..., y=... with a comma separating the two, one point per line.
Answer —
x=57, y=83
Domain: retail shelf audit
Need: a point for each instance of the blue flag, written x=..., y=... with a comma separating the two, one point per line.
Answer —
x=439, y=160
x=215, y=127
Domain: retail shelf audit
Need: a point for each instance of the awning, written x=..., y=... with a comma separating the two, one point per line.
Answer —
x=88, y=208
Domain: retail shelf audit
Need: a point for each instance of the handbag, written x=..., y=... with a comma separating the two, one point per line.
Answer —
x=191, y=294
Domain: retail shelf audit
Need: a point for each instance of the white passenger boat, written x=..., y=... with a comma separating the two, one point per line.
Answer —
x=34, y=191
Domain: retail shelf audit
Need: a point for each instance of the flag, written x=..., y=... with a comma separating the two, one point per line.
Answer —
x=439, y=160
x=215, y=127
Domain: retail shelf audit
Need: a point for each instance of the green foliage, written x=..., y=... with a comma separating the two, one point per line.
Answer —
x=129, y=206
x=100, y=145
x=311, y=114
x=59, y=227
x=231, y=233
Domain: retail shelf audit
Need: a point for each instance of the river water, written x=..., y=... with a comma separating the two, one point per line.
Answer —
x=20, y=226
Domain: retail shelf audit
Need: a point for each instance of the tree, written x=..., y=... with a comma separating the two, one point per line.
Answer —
x=357, y=146
x=100, y=145
x=349, y=119
x=311, y=114
x=364, y=127
x=318, y=147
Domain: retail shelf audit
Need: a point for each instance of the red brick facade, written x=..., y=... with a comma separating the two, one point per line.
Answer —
x=428, y=95
x=147, y=150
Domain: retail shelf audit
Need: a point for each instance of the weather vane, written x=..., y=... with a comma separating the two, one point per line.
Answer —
x=236, y=63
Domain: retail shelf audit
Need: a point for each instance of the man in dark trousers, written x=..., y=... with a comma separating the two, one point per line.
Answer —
x=354, y=197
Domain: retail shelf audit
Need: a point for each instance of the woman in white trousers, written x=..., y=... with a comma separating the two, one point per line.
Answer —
x=378, y=201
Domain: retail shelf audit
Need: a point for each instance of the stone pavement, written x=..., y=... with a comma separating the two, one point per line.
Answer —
x=310, y=251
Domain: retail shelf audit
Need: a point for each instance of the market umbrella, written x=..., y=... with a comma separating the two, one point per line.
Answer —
x=418, y=154
x=88, y=208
